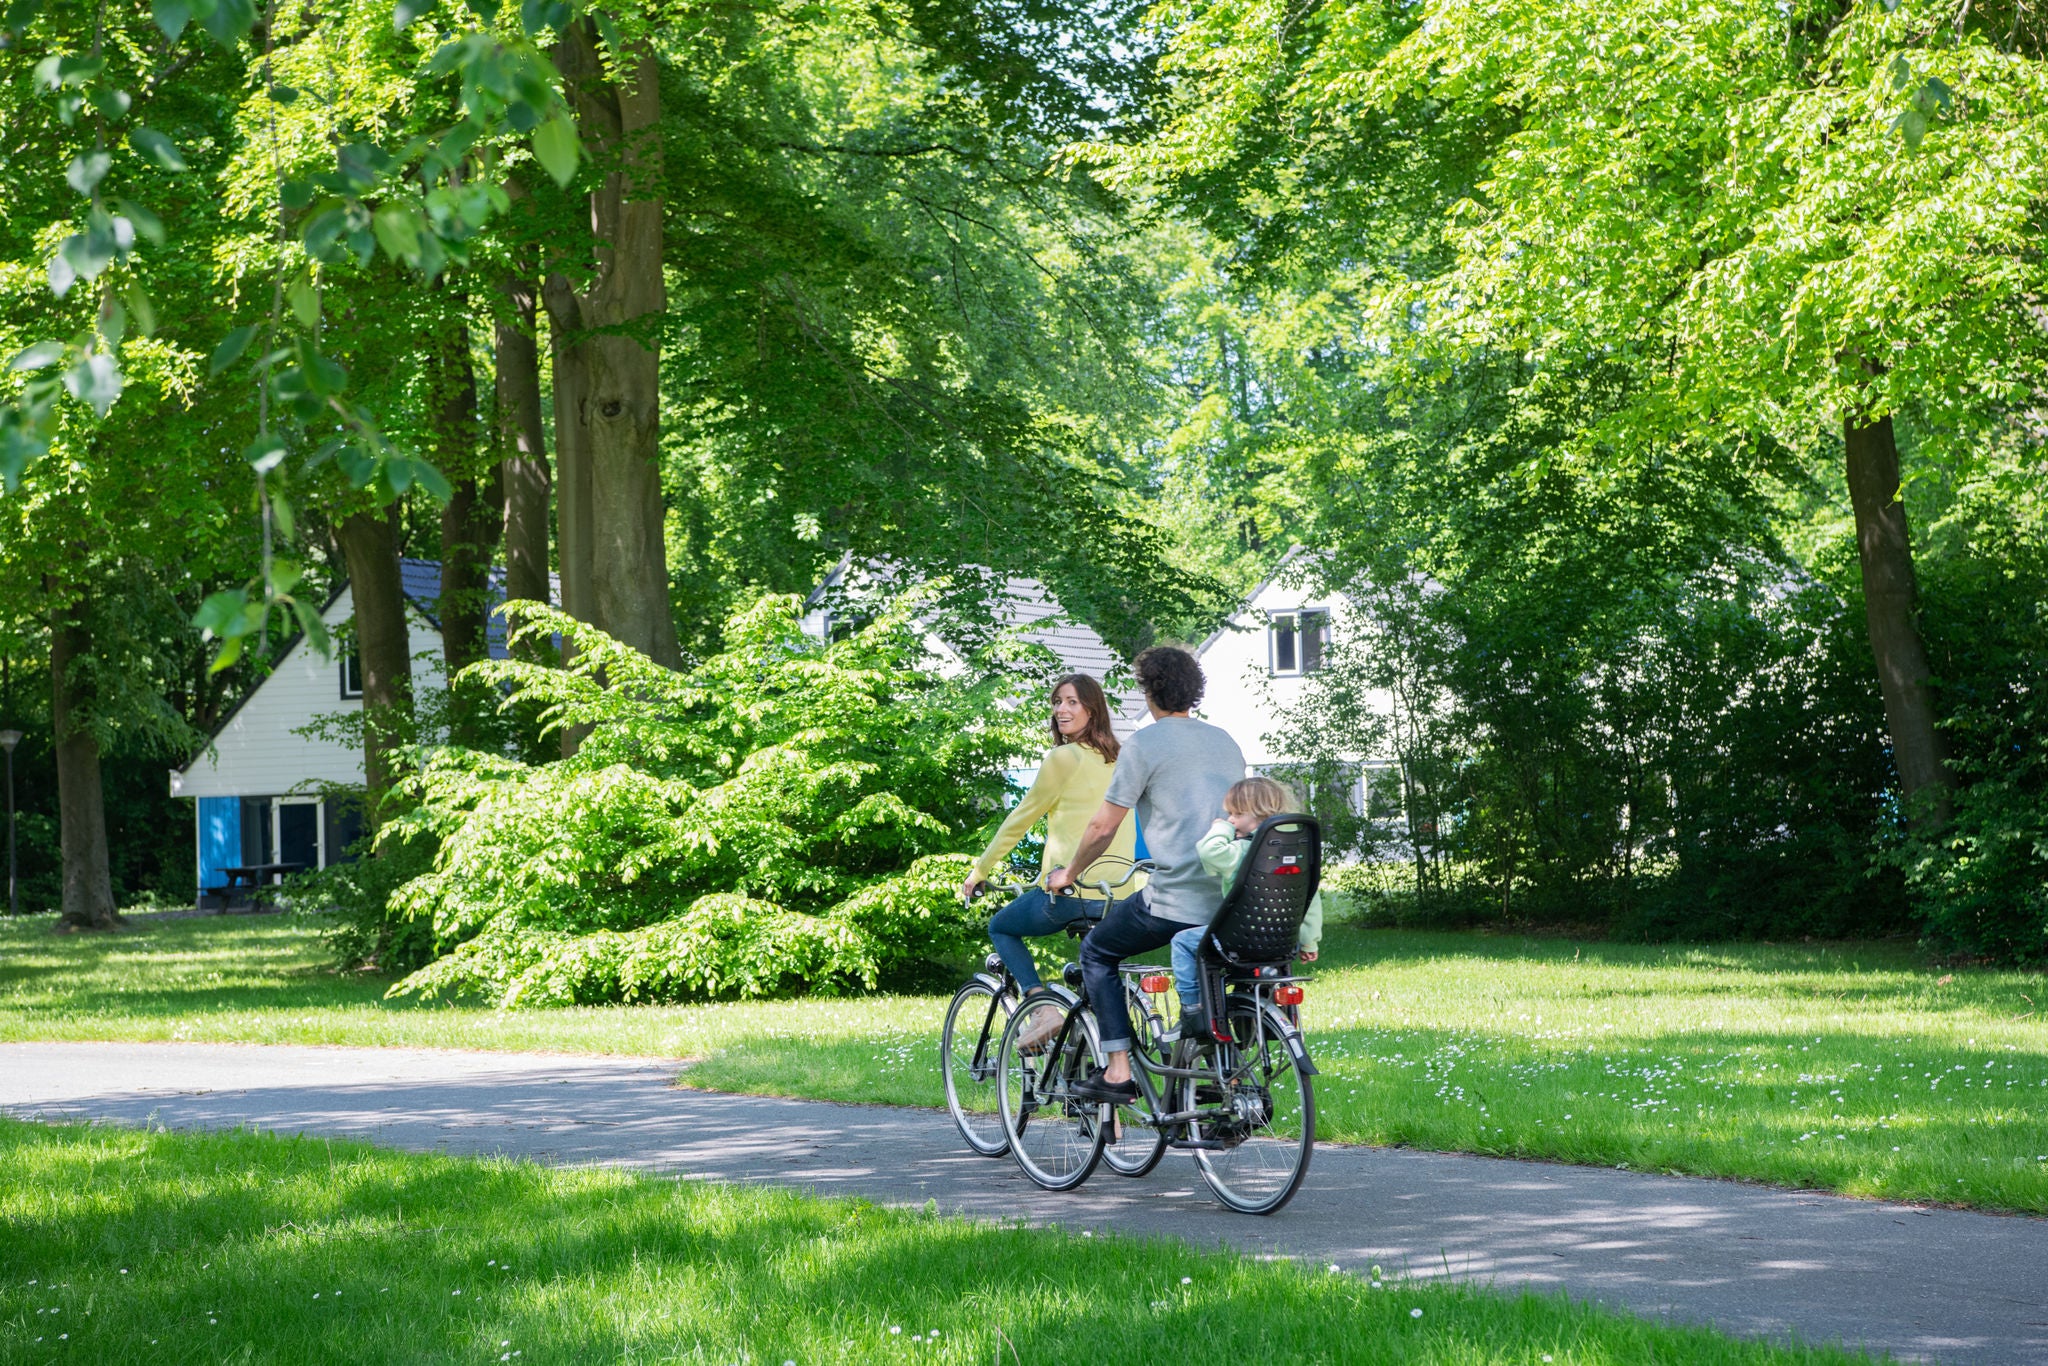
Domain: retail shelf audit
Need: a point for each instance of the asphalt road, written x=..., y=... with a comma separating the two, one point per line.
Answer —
x=1923, y=1284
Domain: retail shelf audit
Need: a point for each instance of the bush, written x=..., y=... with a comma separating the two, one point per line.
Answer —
x=352, y=903
x=781, y=817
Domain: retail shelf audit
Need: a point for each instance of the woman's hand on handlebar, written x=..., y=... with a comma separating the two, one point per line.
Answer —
x=970, y=888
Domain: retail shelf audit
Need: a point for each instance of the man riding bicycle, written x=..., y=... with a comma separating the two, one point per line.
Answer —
x=1175, y=772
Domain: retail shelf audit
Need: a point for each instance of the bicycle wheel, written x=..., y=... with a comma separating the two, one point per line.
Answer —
x=1266, y=1123
x=1055, y=1138
x=968, y=1047
x=1134, y=1143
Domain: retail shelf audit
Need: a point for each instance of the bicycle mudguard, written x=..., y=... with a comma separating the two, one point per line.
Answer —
x=1299, y=1051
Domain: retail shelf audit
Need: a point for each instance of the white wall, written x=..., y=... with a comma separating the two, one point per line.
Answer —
x=1243, y=695
x=256, y=753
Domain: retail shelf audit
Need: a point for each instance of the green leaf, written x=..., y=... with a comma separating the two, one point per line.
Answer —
x=231, y=348
x=398, y=232
x=221, y=610
x=357, y=466
x=408, y=10
x=314, y=628
x=264, y=454
x=40, y=356
x=283, y=94
x=112, y=104
x=304, y=297
x=142, y=220
x=281, y=514
x=398, y=473
x=556, y=147
x=284, y=575
x=87, y=171
x=171, y=16
x=433, y=481
x=56, y=73
x=96, y=380
x=157, y=147
x=139, y=304
x=1912, y=125
x=229, y=20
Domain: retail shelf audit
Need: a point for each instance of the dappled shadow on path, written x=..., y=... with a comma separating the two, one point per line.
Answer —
x=1752, y=1260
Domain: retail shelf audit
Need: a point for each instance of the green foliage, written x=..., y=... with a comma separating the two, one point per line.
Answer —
x=350, y=903
x=1981, y=884
x=779, y=817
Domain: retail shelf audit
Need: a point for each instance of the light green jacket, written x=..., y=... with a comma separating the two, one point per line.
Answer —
x=1222, y=849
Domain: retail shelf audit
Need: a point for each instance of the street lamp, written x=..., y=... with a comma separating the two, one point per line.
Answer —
x=8, y=740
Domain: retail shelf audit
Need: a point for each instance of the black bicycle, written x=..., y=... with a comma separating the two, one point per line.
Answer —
x=981, y=1012
x=1240, y=1097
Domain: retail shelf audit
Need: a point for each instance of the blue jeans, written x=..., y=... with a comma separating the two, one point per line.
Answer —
x=1186, y=981
x=1035, y=913
x=1126, y=930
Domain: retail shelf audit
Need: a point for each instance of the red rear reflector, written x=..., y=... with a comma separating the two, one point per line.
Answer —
x=1287, y=996
x=1154, y=981
x=1288, y=868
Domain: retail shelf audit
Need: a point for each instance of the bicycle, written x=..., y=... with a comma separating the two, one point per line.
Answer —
x=1241, y=1098
x=970, y=1036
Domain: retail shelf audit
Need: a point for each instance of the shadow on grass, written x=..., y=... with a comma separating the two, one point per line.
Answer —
x=178, y=1247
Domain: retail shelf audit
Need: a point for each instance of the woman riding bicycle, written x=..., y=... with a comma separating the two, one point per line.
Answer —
x=1067, y=791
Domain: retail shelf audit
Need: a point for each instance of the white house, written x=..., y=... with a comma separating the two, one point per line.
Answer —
x=1259, y=662
x=259, y=785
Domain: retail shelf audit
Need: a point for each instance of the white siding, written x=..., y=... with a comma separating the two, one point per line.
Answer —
x=256, y=754
x=1243, y=695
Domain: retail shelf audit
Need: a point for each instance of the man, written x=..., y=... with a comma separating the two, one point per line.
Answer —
x=1175, y=772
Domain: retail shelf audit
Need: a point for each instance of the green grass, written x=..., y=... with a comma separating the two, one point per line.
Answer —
x=130, y=1246
x=1853, y=1068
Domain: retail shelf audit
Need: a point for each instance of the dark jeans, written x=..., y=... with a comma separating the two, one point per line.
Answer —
x=1035, y=913
x=1125, y=931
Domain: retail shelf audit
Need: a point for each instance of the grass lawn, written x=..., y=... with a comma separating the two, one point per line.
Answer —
x=1852, y=1068
x=130, y=1246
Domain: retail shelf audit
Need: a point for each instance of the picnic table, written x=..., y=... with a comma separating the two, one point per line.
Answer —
x=244, y=884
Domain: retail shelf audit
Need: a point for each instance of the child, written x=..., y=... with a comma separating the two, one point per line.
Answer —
x=1248, y=803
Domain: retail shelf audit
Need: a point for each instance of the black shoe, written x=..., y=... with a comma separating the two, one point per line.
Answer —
x=1093, y=1088
x=1194, y=1024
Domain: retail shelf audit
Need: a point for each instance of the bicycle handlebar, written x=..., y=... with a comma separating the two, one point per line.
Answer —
x=1104, y=885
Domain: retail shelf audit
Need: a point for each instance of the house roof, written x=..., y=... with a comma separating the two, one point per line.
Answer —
x=1026, y=605
x=419, y=581
x=1293, y=553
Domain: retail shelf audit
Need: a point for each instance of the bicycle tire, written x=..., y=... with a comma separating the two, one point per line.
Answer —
x=1274, y=1134
x=1134, y=1144
x=1056, y=1142
x=971, y=1089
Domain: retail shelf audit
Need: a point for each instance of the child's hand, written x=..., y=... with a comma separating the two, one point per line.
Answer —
x=1305, y=955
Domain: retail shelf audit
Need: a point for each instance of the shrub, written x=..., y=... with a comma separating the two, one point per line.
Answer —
x=778, y=818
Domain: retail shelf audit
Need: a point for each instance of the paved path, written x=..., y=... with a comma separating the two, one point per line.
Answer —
x=1923, y=1284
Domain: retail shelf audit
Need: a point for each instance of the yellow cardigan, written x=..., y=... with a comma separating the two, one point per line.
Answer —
x=1067, y=792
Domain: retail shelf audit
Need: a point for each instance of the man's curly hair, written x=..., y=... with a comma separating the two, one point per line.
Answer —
x=1171, y=677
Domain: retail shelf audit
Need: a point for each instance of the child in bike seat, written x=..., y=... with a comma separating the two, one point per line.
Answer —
x=1248, y=802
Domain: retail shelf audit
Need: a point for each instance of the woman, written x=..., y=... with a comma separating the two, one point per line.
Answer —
x=1067, y=791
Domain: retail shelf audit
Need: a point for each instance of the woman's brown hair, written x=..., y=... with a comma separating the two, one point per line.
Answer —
x=1097, y=736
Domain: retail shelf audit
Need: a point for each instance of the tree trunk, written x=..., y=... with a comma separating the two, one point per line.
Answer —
x=1891, y=609
x=609, y=333
x=469, y=523
x=369, y=544
x=522, y=446
x=81, y=806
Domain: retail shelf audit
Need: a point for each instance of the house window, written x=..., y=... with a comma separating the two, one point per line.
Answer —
x=1299, y=641
x=352, y=674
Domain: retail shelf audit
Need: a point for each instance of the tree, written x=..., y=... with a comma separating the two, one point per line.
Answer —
x=1785, y=223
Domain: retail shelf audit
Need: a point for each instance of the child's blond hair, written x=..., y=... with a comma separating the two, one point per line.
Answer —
x=1258, y=796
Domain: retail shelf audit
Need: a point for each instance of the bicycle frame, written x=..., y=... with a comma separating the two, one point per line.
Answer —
x=1144, y=1069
